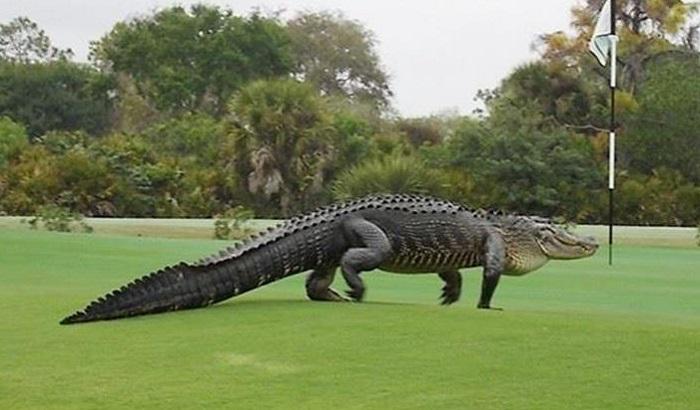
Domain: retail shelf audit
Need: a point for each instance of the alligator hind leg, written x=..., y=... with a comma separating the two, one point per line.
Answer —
x=370, y=248
x=452, y=288
x=318, y=286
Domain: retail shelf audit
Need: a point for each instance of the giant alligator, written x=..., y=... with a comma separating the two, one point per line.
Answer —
x=397, y=233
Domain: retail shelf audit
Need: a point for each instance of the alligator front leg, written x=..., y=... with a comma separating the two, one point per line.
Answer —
x=452, y=288
x=318, y=286
x=494, y=263
x=372, y=247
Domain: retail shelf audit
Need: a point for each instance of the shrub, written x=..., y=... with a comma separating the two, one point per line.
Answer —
x=191, y=135
x=232, y=224
x=663, y=198
x=390, y=174
x=13, y=139
x=56, y=218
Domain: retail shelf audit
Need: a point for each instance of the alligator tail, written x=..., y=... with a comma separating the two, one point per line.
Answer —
x=189, y=286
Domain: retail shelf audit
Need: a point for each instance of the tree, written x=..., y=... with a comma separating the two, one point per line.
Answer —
x=13, y=138
x=519, y=165
x=645, y=27
x=552, y=97
x=354, y=133
x=574, y=86
x=523, y=155
x=198, y=147
x=198, y=136
x=22, y=41
x=420, y=131
x=57, y=95
x=338, y=56
x=283, y=143
x=665, y=131
x=548, y=105
x=188, y=60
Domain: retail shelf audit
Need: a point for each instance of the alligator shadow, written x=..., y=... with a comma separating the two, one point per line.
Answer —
x=239, y=305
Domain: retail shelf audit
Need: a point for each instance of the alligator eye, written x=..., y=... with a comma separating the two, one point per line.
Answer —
x=545, y=232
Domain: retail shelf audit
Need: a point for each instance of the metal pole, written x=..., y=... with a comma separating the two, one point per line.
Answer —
x=611, y=140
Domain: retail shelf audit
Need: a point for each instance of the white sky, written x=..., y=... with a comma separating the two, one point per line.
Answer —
x=438, y=52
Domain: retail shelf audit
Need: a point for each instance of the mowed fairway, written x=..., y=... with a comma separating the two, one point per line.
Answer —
x=576, y=334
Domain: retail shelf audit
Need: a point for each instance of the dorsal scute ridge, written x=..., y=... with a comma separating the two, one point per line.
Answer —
x=141, y=285
x=497, y=217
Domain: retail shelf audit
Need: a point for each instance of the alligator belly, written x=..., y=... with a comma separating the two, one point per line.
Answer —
x=423, y=263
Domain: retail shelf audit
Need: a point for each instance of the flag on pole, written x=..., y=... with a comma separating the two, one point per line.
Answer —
x=601, y=42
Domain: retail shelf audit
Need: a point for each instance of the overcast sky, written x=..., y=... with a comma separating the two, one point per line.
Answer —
x=437, y=52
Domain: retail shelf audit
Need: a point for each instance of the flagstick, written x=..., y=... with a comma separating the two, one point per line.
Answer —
x=611, y=140
x=611, y=153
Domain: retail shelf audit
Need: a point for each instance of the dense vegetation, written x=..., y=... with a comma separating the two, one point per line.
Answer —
x=194, y=112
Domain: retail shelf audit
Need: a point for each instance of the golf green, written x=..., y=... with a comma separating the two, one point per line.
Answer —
x=575, y=334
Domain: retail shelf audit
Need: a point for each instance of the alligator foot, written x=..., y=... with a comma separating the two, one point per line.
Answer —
x=318, y=286
x=356, y=294
x=449, y=296
x=452, y=288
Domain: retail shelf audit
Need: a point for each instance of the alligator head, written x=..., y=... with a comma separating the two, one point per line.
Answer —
x=532, y=241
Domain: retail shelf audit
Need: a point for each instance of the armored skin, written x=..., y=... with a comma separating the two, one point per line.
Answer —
x=395, y=233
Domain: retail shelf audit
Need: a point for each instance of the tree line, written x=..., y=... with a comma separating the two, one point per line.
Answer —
x=194, y=112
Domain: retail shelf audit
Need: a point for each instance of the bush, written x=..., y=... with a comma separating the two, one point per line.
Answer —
x=663, y=198
x=232, y=223
x=391, y=174
x=13, y=139
x=56, y=218
x=198, y=136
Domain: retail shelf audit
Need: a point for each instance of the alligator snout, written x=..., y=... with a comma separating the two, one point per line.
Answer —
x=590, y=243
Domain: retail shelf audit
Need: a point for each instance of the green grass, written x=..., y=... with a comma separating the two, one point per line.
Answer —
x=573, y=335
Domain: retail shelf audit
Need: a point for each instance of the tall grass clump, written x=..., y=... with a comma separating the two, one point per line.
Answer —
x=390, y=174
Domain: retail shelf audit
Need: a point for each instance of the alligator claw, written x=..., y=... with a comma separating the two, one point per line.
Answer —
x=486, y=307
x=335, y=296
x=446, y=301
x=356, y=294
x=448, y=297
